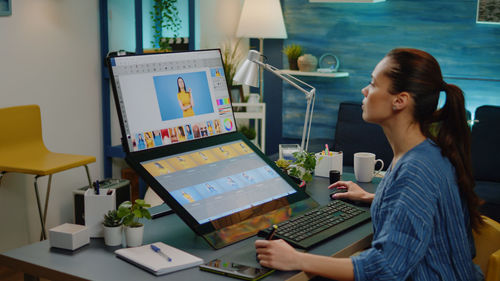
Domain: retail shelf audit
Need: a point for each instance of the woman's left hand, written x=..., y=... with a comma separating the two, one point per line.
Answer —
x=277, y=254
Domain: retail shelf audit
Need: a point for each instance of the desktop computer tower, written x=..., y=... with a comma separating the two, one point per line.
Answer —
x=121, y=186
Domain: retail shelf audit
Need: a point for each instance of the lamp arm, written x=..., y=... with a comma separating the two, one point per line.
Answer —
x=310, y=97
x=288, y=78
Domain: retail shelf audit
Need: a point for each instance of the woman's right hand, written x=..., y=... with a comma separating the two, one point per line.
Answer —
x=354, y=192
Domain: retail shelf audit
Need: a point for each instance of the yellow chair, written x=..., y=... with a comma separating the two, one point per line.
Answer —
x=22, y=151
x=487, y=243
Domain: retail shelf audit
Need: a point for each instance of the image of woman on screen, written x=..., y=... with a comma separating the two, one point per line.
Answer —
x=425, y=208
x=185, y=98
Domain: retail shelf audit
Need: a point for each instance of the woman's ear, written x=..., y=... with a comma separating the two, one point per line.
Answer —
x=401, y=101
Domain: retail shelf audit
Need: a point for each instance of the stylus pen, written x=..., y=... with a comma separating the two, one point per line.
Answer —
x=271, y=234
x=160, y=252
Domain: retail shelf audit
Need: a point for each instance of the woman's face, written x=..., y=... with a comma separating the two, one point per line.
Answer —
x=377, y=104
x=180, y=82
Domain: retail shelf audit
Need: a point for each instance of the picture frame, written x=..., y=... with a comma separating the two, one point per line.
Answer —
x=5, y=8
x=488, y=11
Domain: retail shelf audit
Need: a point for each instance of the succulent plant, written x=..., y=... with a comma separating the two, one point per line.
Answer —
x=111, y=219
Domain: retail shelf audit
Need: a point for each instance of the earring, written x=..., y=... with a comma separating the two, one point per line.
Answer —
x=393, y=107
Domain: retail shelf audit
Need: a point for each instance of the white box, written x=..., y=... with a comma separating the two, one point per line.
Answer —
x=69, y=236
x=95, y=207
x=327, y=163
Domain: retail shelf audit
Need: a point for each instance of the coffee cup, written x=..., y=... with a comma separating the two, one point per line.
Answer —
x=364, y=166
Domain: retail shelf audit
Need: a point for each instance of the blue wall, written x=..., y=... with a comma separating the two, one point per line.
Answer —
x=361, y=34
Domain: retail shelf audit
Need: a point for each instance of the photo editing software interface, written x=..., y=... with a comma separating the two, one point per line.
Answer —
x=172, y=97
x=210, y=185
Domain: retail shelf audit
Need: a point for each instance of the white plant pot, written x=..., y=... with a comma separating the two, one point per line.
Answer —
x=134, y=235
x=113, y=235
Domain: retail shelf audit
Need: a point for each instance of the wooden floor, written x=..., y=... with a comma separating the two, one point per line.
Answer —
x=7, y=274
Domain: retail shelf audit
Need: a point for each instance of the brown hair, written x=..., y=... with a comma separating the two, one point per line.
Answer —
x=418, y=73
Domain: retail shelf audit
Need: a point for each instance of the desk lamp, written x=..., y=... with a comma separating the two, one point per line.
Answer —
x=248, y=72
x=261, y=19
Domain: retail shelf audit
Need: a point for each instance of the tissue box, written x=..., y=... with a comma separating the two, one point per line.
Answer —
x=327, y=163
x=69, y=236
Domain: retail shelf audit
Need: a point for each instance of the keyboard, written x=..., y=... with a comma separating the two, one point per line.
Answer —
x=318, y=225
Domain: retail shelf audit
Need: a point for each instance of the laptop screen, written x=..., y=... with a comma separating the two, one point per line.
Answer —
x=170, y=98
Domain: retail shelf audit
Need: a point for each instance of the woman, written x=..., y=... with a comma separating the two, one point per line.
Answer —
x=424, y=208
x=185, y=98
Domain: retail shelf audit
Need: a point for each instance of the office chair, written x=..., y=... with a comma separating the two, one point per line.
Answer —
x=353, y=134
x=487, y=243
x=485, y=137
x=22, y=151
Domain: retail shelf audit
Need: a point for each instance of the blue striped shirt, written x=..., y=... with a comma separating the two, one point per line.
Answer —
x=421, y=226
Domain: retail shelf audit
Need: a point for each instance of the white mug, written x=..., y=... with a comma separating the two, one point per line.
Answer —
x=364, y=166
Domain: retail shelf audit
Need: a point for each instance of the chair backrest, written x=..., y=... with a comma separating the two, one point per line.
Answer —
x=353, y=134
x=487, y=242
x=484, y=143
x=20, y=126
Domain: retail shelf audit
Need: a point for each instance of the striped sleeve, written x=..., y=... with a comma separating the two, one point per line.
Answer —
x=407, y=212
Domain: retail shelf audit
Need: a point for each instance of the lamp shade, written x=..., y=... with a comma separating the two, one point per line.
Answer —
x=261, y=19
x=248, y=74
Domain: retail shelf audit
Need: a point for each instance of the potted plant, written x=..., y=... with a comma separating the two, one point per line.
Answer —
x=130, y=215
x=112, y=228
x=231, y=57
x=301, y=169
x=293, y=52
x=248, y=132
x=164, y=16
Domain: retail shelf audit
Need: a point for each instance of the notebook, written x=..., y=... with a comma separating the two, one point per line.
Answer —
x=157, y=263
x=179, y=134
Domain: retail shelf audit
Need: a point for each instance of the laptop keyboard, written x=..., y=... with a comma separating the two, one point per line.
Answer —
x=315, y=226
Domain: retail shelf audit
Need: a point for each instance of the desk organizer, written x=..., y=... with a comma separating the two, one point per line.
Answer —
x=325, y=163
x=95, y=206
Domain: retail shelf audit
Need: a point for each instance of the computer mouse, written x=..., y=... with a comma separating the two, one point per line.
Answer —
x=335, y=191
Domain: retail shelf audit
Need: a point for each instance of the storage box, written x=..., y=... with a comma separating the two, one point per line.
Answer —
x=327, y=163
x=69, y=236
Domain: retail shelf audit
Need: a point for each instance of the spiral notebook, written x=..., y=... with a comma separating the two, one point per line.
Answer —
x=157, y=262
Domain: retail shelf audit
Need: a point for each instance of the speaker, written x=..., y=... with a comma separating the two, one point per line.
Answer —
x=121, y=186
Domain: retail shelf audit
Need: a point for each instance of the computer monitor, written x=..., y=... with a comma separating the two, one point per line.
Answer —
x=217, y=181
x=171, y=98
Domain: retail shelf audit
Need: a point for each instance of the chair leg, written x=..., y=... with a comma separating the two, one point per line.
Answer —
x=47, y=196
x=44, y=235
x=1, y=176
x=88, y=175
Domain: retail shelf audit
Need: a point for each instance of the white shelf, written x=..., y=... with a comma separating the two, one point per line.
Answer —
x=258, y=115
x=315, y=73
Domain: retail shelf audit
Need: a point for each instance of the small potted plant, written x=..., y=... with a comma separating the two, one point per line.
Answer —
x=293, y=52
x=303, y=166
x=112, y=228
x=130, y=215
x=301, y=169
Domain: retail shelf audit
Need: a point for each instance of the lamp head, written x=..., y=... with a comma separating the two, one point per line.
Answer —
x=248, y=73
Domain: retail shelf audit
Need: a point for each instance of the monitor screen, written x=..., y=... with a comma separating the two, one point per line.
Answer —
x=170, y=98
x=218, y=181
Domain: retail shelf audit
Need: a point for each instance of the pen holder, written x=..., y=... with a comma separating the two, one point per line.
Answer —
x=325, y=163
x=95, y=206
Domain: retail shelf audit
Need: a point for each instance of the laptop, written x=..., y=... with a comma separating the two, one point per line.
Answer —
x=179, y=134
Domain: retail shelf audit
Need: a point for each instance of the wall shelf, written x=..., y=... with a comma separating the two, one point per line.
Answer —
x=315, y=73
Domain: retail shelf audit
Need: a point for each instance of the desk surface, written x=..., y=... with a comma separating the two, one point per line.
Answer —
x=98, y=262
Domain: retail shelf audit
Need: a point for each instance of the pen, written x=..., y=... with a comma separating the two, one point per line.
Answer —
x=160, y=252
x=271, y=234
x=96, y=187
x=327, y=149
